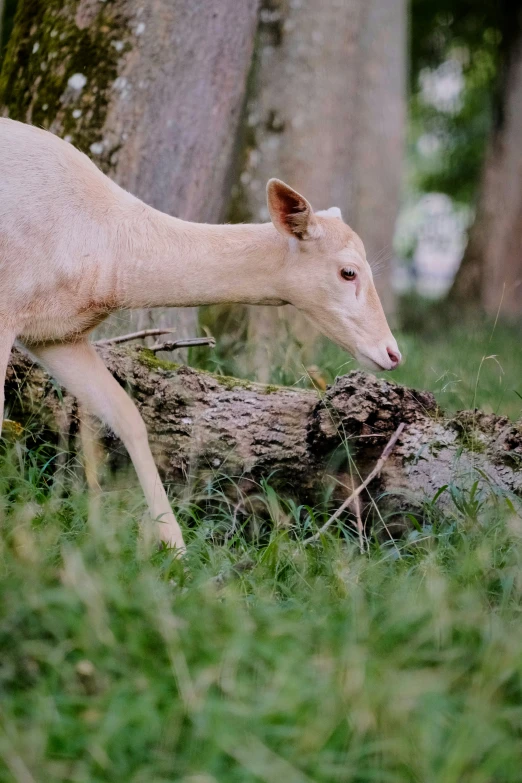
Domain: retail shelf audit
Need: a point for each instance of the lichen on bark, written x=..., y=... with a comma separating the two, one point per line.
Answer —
x=61, y=64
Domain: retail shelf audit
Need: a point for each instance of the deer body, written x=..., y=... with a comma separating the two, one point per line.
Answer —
x=75, y=247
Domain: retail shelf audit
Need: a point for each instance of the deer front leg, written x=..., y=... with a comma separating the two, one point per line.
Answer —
x=6, y=343
x=79, y=368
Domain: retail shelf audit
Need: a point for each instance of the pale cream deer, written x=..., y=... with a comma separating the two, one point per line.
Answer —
x=75, y=247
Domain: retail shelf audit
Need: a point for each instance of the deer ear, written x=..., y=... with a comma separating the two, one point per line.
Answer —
x=291, y=213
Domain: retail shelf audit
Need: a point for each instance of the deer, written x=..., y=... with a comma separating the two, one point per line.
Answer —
x=76, y=247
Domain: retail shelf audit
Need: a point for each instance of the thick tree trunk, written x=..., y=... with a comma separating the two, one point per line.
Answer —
x=326, y=113
x=491, y=271
x=152, y=92
x=201, y=425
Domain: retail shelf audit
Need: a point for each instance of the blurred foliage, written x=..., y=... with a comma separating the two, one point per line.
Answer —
x=477, y=37
x=437, y=25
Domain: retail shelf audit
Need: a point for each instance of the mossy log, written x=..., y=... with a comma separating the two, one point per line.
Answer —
x=203, y=426
x=152, y=92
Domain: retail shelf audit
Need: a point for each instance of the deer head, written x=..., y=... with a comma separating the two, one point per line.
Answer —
x=327, y=277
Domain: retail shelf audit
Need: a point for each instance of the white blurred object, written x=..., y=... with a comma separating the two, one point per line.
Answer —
x=436, y=230
x=428, y=144
x=431, y=232
x=442, y=87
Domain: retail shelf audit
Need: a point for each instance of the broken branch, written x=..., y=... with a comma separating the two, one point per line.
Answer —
x=125, y=338
x=189, y=343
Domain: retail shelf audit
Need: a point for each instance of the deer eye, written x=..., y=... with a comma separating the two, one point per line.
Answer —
x=348, y=274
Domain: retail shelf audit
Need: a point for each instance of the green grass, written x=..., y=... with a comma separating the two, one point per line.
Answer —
x=259, y=659
x=466, y=365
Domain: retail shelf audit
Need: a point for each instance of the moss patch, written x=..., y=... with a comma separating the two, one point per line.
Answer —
x=232, y=383
x=149, y=359
x=56, y=40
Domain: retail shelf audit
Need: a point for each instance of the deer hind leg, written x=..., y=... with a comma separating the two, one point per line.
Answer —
x=79, y=368
x=6, y=343
x=91, y=461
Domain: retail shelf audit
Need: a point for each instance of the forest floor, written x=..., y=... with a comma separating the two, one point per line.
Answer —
x=259, y=659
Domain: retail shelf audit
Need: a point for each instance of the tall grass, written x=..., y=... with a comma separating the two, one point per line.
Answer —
x=257, y=658
x=250, y=662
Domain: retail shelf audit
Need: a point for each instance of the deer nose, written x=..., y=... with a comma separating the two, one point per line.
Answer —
x=395, y=357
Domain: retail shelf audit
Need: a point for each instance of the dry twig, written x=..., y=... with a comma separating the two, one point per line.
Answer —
x=125, y=338
x=191, y=342
x=168, y=345
x=355, y=494
x=363, y=546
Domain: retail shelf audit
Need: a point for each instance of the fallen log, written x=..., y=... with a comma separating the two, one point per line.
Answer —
x=204, y=426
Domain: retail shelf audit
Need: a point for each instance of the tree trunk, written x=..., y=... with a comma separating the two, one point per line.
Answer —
x=326, y=114
x=152, y=92
x=203, y=426
x=491, y=271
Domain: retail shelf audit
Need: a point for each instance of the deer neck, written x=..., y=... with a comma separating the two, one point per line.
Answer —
x=170, y=262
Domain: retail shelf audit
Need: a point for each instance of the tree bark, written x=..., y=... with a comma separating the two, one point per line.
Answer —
x=152, y=92
x=203, y=426
x=326, y=113
x=491, y=270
